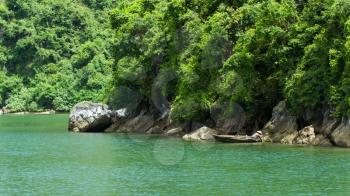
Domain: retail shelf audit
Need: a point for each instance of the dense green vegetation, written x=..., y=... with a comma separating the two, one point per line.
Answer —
x=53, y=54
x=200, y=53
x=194, y=53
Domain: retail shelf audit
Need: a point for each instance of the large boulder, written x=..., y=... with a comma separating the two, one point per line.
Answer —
x=282, y=126
x=229, y=117
x=203, y=133
x=341, y=135
x=90, y=117
x=305, y=136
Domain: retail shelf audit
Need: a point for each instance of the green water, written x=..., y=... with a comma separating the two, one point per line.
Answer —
x=39, y=157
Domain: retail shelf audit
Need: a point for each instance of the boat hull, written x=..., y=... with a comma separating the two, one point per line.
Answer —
x=236, y=139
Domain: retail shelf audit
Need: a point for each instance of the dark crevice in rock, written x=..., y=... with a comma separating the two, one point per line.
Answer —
x=301, y=123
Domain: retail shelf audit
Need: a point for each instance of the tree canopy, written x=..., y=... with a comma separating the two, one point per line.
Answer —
x=54, y=54
x=251, y=52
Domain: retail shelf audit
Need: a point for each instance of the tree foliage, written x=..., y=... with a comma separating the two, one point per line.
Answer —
x=54, y=54
x=254, y=53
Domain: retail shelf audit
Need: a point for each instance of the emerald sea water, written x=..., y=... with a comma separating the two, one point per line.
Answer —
x=38, y=156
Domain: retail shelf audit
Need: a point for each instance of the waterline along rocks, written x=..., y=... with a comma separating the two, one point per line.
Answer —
x=283, y=127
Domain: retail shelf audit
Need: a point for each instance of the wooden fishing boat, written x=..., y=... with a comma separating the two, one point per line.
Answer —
x=236, y=139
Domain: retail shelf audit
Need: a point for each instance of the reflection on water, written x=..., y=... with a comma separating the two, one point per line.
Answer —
x=38, y=156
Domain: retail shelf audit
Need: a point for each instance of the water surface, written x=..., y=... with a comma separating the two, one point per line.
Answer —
x=39, y=157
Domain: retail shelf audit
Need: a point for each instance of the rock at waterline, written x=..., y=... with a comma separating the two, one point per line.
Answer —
x=138, y=124
x=178, y=131
x=289, y=138
x=203, y=133
x=305, y=136
x=329, y=124
x=341, y=135
x=90, y=117
x=155, y=130
x=282, y=127
x=321, y=140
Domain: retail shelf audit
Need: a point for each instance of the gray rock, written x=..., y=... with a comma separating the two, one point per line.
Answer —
x=174, y=132
x=266, y=138
x=289, y=138
x=229, y=118
x=203, y=133
x=160, y=102
x=341, y=135
x=321, y=140
x=282, y=125
x=89, y=117
x=305, y=136
x=140, y=124
x=119, y=118
x=329, y=124
x=155, y=130
x=121, y=112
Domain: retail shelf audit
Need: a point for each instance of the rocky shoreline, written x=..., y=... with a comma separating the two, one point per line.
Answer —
x=6, y=112
x=318, y=129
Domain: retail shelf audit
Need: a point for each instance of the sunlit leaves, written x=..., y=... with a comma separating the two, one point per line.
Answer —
x=59, y=50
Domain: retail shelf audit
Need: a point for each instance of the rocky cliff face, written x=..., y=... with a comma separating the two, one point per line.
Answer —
x=283, y=128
